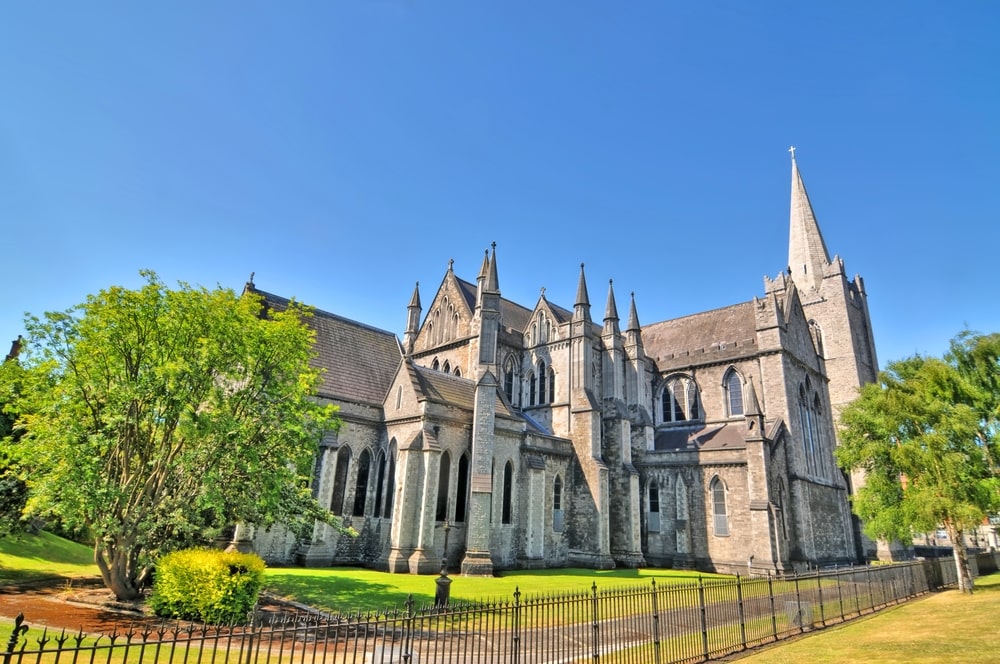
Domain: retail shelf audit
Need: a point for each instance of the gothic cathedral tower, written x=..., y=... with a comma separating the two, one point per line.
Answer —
x=837, y=309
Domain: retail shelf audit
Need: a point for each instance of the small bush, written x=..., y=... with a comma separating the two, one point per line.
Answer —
x=212, y=586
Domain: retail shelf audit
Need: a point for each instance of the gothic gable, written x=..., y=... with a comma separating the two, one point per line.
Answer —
x=449, y=316
x=798, y=333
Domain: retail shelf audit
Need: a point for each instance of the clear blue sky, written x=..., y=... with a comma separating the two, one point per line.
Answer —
x=343, y=150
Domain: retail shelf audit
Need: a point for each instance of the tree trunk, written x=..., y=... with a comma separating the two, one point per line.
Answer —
x=961, y=558
x=115, y=572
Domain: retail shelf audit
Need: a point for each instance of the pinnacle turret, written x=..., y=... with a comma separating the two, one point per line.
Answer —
x=412, y=320
x=492, y=284
x=611, y=312
x=633, y=316
x=581, y=309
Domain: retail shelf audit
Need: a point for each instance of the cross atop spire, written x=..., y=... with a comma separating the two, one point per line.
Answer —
x=792, y=150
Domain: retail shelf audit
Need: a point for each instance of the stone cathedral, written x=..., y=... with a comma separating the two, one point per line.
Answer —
x=497, y=435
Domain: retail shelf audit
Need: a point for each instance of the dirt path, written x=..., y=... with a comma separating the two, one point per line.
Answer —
x=61, y=604
x=83, y=604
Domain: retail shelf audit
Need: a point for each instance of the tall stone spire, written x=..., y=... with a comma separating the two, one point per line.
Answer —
x=807, y=253
x=581, y=309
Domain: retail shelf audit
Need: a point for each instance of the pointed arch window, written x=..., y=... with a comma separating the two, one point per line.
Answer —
x=817, y=335
x=810, y=442
x=720, y=515
x=379, y=483
x=340, y=480
x=557, y=509
x=390, y=480
x=361, y=483
x=552, y=385
x=680, y=401
x=435, y=365
x=653, y=507
x=444, y=474
x=508, y=488
x=458, y=372
x=447, y=367
x=532, y=387
x=508, y=379
x=733, y=386
x=542, y=384
x=462, y=490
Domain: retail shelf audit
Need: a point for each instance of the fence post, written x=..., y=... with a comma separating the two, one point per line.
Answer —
x=774, y=617
x=20, y=627
x=517, y=624
x=819, y=588
x=656, y=626
x=739, y=604
x=594, y=632
x=840, y=596
x=408, y=630
x=250, y=642
x=871, y=589
x=704, y=617
x=798, y=605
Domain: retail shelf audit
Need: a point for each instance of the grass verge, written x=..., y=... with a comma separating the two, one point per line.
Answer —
x=348, y=589
x=943, y=627
x=28, y=557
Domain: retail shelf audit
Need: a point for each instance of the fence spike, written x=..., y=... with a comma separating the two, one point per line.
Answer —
x=20, y=627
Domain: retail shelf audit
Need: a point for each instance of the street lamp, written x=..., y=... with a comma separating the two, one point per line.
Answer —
x=444, y=556
x=443, y=582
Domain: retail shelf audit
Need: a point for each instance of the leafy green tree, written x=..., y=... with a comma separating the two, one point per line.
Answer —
x=13, y=489
x=924, y=436
x=153, y=417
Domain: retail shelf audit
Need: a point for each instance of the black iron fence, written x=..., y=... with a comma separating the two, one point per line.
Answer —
x=654, y=622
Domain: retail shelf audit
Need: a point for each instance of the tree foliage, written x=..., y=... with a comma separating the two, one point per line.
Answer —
x=13, y=488
x=925, y=436
x=153, y=417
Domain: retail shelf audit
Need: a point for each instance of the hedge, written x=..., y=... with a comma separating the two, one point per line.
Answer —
x=208, y=585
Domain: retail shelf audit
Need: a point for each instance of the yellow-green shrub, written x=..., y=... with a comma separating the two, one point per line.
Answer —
x=215, y=587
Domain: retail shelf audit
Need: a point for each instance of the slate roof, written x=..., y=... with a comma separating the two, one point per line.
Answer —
x=513, y=315
x=449, y=390
x=359, y=361
x=733, y=325
x=715, y=437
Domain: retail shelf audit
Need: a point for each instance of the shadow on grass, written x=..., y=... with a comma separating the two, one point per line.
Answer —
x=341, y=594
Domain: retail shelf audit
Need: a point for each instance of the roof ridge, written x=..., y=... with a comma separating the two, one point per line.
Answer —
x=322, y=312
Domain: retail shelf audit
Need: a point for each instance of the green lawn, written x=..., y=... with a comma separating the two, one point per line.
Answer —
x=346, y=589
x=27, y=557
x=942, y=627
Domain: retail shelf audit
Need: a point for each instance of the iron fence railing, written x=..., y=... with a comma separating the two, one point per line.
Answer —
x=651, y=623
